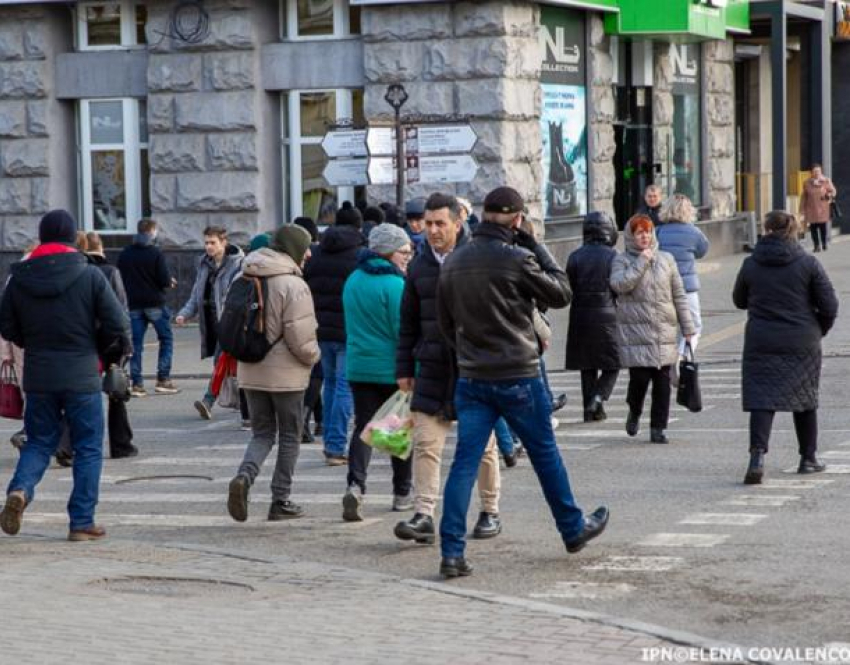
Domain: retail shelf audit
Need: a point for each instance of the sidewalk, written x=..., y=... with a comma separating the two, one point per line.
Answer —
x=128, y=602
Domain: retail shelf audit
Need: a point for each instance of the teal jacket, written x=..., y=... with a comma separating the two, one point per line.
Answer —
x=371, y=302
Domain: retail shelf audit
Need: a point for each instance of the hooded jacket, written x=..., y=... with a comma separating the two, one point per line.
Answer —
x=290, y=325
x=329, y=266
x=144, y=273
x=112, y=276
x=651, y=306
x=592, y=339
x=790, y=305
x=62, y=312
x=687, y=244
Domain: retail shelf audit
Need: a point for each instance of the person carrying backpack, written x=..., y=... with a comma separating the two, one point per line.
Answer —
x=281, y=310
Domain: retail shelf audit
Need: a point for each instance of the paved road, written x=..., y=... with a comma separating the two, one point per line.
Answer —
x=689, y=548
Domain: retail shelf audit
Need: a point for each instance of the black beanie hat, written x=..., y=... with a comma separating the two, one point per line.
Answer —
x=391, y=214
x=57, y=226
x=348, y=215
x=373, y=214
x=309, y=226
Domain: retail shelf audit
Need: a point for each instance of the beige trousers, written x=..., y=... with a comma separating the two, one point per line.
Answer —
x=429, y=439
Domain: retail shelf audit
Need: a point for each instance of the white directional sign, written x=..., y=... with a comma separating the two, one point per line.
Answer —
x=347, y=172
x=381, y=141
x=440, y=140
x=345, y=143
x=427, y=169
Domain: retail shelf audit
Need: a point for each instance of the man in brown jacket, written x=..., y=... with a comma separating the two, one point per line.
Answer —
x=275, y=386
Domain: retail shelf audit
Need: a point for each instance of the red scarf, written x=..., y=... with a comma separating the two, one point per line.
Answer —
x=50, y=248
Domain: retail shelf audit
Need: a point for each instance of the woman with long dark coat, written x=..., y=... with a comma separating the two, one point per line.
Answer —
x=790, y=306
x=592, y=345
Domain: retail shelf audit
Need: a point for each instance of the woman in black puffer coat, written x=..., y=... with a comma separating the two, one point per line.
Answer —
x=592, y=345
x=790, y=306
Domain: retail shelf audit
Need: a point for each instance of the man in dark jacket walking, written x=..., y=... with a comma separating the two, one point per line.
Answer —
x=425, y=364
x=333, y=261
x=145, y=275
x=486, y=298
x=62, y=312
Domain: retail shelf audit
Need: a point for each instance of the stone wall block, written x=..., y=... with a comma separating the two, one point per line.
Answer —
x=522, y=176
x=14, y=196
x=472, y=19
x=722, y=203
x=13, y=119
x=181, y=229
x=37, y=118
x=160, y=113
x=498, y=140
x=602, y=105
x=174, y=153
x=601, y=66
x=24, y=158
x=35, y=41
x=663, y=69
x=604, y=145
x=232, y=30
x=11, y=45
x=720, y=77
x=604, y=183
x=720, y=50
x=721, y=173
x=232, y=152
x=235, y=192
x=481, y=58
x=40, y=195
x=18, y=232
x=211, y=112
x=598, y=38
x=163, y=190
x=228, y=71
x=407, y=22
x=396, y=62
x=721, y=142
x=174, y=73
x=721, y=109
x=500, y=98
x=437, y=97
x=21, y=80
x=662, y=109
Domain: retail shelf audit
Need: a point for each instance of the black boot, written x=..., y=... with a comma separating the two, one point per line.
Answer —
x=455, y=567
x=633, y=423
x=488, y=526
x=419, y=528
x=657, y=435
x=755, y=471
x=559, y=402
x=811, y=464
x=306, y=434
x=597, y=409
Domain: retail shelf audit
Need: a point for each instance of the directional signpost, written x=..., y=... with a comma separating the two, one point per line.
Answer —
x=345, y=143
x=430, y=169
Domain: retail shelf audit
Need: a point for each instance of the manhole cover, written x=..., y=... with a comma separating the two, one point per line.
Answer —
x=172, y=586
x=149, y=479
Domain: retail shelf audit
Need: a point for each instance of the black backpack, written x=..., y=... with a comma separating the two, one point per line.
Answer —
x=242, y=326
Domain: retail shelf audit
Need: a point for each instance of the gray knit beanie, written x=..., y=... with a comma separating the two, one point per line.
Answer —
x=386, y=239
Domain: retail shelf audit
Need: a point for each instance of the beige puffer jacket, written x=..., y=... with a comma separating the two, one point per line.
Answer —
x=651, y=306
x=289, y=312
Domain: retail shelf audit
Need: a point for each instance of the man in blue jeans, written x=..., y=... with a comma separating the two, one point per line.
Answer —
x=146, y=277
x=64, y=314
x=487, y=292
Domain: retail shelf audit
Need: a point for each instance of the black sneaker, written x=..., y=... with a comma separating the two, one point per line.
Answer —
x=811, y=465
x=420, y=528
x=284, y=510
x=455, y=567
x=488, y=526
x=237, y=497
x=132, y=451
x=633, y=423
x=594, y=525
x=559, y=402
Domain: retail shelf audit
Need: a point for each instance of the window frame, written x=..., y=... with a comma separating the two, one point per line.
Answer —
x=289, y=22
x=131, y=147
x=128, y=26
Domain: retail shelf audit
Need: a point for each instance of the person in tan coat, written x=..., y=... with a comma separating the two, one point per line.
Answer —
x=651, y=308
x=275, y=386
x=818, y=194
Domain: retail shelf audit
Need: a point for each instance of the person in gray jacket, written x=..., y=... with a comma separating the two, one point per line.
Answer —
x=651, y=308
x=216, y=271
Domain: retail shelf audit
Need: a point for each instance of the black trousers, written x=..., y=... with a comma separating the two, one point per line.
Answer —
x=597, y=382
x=119, y=432
x=805, y=425
x=368, y=398
x=639, y=380
x=313, y=396
x=819, y=233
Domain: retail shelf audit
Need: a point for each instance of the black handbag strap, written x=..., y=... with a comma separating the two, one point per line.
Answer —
x=689, y=352
x=8, y=375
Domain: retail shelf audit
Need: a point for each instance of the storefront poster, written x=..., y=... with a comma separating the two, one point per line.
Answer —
x=564, y=116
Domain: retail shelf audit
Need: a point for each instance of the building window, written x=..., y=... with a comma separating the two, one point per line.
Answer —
x=685, y=158
x=114, y=164
x=307, y=115
x=318, y=19
x=111, y=25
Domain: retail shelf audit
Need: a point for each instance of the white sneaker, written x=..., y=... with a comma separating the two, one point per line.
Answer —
x=352, y=503
x=402, y=504
x=555, y=423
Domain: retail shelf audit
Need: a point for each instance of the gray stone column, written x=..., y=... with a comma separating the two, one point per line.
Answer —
x=662, y=114
x=480, y=59
x=719, y=61
x=601, y=117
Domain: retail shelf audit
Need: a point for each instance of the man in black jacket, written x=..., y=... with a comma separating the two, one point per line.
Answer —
x=63, y=313
x=421, y=344
x=486, y=298
x=325, y=273
x=146, y=277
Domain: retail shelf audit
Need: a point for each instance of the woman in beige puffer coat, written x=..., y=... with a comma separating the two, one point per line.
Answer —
x=651, y=307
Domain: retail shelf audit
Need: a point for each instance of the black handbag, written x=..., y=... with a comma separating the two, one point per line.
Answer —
x=834, y=210
x=688, y=394
x=116, y=383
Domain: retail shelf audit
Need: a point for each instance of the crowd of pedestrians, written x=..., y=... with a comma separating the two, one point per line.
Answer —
x=427, y=300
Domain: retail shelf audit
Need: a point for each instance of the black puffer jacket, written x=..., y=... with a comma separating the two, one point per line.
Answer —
x=422, y=350
x=330, y=265
x=790, y=306
x=60, y=310
x=592, y=340
x=487, y=293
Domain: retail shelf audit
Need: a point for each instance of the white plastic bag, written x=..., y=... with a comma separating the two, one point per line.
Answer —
x=391, y=428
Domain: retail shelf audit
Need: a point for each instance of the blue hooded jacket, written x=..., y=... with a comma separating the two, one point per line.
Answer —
x=687, y=244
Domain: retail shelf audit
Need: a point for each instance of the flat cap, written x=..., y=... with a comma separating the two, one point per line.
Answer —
x=504, y=200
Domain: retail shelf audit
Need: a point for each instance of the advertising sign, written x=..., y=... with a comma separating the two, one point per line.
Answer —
x=564, y=117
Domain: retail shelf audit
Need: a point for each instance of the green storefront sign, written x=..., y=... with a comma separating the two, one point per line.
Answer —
x=679, y=20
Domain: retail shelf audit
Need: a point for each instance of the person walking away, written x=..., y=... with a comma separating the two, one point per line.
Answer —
x=275, y=385
x=651, y=308
x=219, y=266
x=61, y=311
x=372, y=305
x=678, y=236
x=651, y=206
x=487, y=292
x=334, y=259
x=426, y=366
x=313, y=394
x=815, y=206
x=791, y=305
x=145, y=275
x=592, y=343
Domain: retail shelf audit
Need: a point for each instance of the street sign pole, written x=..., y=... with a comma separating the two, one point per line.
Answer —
x=396, y=97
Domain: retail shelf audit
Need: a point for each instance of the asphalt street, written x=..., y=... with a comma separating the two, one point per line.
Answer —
x=689, y=547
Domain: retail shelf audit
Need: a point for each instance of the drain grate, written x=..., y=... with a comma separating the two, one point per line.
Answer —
x=172, y=586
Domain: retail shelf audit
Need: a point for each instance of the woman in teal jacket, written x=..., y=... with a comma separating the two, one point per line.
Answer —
x=371, y=303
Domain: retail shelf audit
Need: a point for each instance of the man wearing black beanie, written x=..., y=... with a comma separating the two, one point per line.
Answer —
x=63, y=312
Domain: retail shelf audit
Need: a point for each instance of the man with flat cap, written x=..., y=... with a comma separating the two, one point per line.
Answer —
x=487, y=293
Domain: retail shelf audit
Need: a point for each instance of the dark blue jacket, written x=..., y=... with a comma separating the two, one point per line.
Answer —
x=144, y=273
x=687, y=244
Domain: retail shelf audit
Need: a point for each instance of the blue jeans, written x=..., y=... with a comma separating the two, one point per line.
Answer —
x=160, y=318
x=528, y=410
x=43, y=421
x=336, y=395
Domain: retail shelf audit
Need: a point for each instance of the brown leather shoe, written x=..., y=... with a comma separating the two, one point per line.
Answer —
x=94, y=532
x=13, y=512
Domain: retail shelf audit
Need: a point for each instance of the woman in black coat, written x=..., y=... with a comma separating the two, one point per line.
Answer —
x=592, y=337
x=790, y=306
